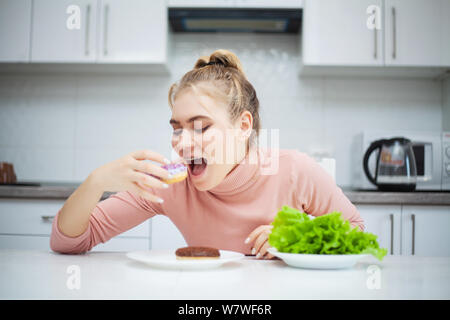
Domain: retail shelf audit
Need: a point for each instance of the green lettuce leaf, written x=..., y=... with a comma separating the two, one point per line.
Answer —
x=296, y=232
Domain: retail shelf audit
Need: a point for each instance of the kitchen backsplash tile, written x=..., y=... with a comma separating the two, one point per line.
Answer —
x=44, y=122
x=88, y=159
x=35, y=163
x=62, y=126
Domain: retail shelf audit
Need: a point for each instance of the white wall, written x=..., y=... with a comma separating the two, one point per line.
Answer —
x=59, y=127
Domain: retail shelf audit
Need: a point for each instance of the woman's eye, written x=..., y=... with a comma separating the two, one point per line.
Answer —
x=202, y=129
x=177, y=132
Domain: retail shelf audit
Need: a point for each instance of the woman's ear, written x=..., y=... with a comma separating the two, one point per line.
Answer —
x=246, y=124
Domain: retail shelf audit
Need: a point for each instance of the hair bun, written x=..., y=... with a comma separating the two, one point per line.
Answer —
x=221, y=57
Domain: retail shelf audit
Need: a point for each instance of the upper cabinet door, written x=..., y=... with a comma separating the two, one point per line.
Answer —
x=15, y=30
x=445, y=34
x=340, y=32
x=414, y=32
x=64, y=31
x=132, y=31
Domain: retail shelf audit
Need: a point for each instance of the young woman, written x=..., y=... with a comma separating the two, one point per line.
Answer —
x=228, y=199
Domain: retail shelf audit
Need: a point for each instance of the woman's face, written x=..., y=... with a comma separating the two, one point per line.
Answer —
x=206, y=139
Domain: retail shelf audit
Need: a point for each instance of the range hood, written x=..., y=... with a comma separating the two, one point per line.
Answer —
x=260, y=16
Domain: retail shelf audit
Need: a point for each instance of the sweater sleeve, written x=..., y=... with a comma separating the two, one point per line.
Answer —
x=110, y=217
x=318, y=194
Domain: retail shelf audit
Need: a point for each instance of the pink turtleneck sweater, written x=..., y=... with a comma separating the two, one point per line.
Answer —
x=223, y=216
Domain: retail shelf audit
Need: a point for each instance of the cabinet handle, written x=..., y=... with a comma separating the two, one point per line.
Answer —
x=413, y=220
x=47, y=218
x=375, y=46
x=391, y=217
x=394, y=34
x=88, y=18
x=105, y=31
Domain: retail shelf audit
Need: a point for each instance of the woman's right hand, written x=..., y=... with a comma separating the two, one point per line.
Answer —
x=130, y=173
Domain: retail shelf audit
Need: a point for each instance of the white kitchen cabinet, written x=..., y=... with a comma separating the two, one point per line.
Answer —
x=413, y=41
x=445, y=35
x=385, y=222
x=165, y=235
x=409, y=229
x=124, y=244
x=414, y=32
x=56, y=35
x=27, y=216
x=426, y=230
x=132, y=32
x=28, y=242
x=335, y=33
x=15, y=30
x=27, y=224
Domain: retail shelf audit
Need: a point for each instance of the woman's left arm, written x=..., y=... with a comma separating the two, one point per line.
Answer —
x=317, y=193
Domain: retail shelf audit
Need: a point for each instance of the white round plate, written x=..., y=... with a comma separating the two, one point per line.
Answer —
x=166, y=259
x=318, y=261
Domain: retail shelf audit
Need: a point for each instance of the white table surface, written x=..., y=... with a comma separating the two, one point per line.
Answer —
x=111, y=275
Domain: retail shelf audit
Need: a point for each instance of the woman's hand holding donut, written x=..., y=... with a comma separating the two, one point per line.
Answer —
x=130, y=173
x=259, y=239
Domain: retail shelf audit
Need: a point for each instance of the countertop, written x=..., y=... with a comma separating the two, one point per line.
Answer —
x=62, y=190
x=45, y=190
x=111, y=275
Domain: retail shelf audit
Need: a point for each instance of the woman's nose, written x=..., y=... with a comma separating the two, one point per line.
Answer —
x=184, y=144
x=184, y=140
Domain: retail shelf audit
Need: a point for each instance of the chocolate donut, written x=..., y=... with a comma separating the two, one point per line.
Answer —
x=197, y=253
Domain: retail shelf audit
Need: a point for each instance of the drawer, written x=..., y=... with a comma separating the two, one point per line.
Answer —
x=34, y=217
x=22, y=242
x=124, y=244
x=24, y=216
x=25, y=242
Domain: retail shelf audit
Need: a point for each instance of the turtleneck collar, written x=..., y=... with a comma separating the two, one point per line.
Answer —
x=241, y=176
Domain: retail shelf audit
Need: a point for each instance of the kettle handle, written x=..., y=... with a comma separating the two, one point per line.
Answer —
x=374, y=146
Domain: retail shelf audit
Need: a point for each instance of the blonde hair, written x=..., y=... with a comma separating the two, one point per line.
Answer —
x=223, y=74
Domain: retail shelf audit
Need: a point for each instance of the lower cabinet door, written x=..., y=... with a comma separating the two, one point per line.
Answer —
x=124, y=244
x=426, y=230
x=165, y=234
x=24, y=242
x=383, y=221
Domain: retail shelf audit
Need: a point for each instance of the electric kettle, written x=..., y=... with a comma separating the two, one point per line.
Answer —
x=395, y=165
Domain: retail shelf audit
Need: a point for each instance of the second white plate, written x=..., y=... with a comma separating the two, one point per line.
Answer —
x=166, y=259
x=318, y=261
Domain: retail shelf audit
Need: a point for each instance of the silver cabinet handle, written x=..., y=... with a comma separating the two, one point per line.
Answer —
x=86, y=39
x=105, y=31
x=413, y=220
x=375, y=46
x=394, y=34
x=391, y=217
x=47, y=218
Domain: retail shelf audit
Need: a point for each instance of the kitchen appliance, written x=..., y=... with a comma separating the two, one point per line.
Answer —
x=431, y=152
x=266, y=16
x=395, y=165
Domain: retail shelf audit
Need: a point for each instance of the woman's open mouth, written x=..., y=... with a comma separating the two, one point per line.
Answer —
x=197, y=166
